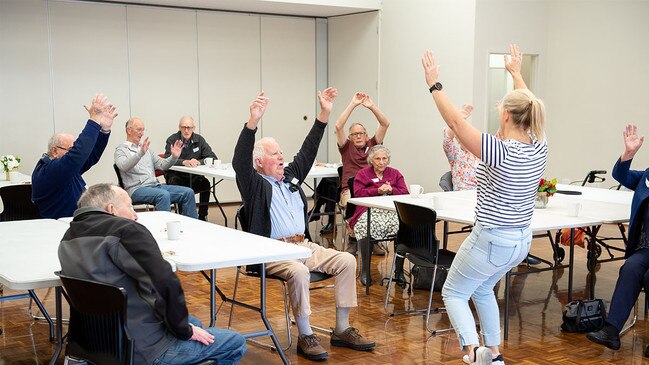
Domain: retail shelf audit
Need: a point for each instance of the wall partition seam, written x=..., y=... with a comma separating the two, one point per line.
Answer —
x=198, y=75
x=321, y=76
x=128, y=64
x=261, y=76
x=50, y=62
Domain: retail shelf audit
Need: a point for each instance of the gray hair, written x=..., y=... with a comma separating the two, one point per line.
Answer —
x=375, y=149
x=355, y=124
x=55, y=140
x=260, y=149
x=99, y=196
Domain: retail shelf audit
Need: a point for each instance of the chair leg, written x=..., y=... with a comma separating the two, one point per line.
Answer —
x=430, y=303
x=628, y=327
x=387, y=289
x=234, y=297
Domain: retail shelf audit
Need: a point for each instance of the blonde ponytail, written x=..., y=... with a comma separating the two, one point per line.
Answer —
x=527, y=112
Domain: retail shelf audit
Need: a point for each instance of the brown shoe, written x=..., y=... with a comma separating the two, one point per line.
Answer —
x=309, y=347
x=352, y=339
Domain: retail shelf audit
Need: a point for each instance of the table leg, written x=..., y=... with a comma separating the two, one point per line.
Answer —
x=59, y=326
x=571, y=264
x=212, y=297
x=46, y=315
x=262, y=311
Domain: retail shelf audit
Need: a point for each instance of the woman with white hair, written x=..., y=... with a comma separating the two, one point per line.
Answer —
x=508, y=177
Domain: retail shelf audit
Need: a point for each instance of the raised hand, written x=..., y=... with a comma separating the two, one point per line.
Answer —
x=145, y=145
x=514, y=60
x=176, y=148
x=632, y=142
x=431, y=68
x=367, y=101
x=466, y=110
x=257, y=110
x=358, y=97
x=326, y=98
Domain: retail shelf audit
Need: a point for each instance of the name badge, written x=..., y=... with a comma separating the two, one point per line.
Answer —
x=376, y=180
x=196, y=149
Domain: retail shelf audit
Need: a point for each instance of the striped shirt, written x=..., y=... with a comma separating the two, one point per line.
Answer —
x=508, y=179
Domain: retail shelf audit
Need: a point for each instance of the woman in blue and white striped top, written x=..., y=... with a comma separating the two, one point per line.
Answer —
x=508, y=177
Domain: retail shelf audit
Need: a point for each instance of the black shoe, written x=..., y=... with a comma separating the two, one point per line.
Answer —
x=202, y=218
x=314, y=216
x=533, y=260
x=400, y=279
x=603, y=338
x=328, y=229
x=646, y=351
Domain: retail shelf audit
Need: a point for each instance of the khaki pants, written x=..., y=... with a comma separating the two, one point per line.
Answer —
x=342, y=265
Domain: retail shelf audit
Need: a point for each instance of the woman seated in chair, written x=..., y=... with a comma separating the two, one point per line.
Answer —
x=374, y=180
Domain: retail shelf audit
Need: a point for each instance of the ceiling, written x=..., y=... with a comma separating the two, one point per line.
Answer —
x=311, y=8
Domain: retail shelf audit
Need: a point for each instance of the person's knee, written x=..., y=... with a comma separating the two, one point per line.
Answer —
x=348, y=261
x=298, y=274
x=631, y=270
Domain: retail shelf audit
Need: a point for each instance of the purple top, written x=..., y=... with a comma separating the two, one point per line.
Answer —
x=366, y=183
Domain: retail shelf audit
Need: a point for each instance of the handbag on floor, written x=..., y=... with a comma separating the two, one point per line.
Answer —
x=584, y=315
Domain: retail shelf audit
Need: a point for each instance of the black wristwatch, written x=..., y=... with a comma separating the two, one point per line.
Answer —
x=436, y=86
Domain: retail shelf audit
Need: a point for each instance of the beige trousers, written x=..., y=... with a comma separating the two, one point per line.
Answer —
x=342, y=265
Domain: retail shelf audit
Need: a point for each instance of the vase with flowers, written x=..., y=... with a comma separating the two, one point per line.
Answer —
x=547, y=188
x=8, y=163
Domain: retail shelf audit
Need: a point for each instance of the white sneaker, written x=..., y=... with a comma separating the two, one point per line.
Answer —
x=482, y=356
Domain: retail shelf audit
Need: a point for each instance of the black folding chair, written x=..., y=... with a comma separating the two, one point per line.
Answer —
x=17, y=202
x=417, y=242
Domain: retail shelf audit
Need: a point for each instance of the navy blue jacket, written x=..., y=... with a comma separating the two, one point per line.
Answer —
x=637, y=181
x=57, y=183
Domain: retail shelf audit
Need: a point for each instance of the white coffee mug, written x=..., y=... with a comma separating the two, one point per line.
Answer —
x=217, y=164
x=438, y=202
x=416, y=190
x=173, y=230
x=573, y=209
x=209, y=161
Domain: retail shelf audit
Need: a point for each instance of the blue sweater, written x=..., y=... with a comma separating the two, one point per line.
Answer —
x=637, y=181
x=57, y=183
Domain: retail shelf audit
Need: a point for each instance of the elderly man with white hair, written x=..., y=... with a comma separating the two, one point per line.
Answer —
x=56, y=181
x=275, y=206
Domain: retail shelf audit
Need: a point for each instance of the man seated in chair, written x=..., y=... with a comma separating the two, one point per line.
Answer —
x=56, y=182
x=137, y=165
x=275, y=207
x=105, y=244
x=194, y=152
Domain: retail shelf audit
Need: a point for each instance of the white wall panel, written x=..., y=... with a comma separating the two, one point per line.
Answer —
x=26, y=122
x=353, y=66
x=230, y=72
x=288, y=78
x=89, y=56
x=163, y=69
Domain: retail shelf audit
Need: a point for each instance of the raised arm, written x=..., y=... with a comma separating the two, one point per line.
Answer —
x=513, y=63
x=384, y=123
x=468, y=135
x=341, y=135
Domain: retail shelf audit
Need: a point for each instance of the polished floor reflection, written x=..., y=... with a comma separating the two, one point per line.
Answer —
x=534, y=334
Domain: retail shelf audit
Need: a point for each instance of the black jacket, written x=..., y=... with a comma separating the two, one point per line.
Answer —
x=101, y=247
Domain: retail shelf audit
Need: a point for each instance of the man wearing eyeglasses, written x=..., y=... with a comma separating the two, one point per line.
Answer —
x=194, y=152
x=56, y=181
x=353, y=148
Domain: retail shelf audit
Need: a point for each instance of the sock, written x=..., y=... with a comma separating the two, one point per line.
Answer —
x=303, y=326
x=342, y=319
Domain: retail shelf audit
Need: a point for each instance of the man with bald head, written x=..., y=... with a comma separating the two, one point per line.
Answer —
x=194, y=152
x=56, y=181
x=137, y=164
x=105, y=244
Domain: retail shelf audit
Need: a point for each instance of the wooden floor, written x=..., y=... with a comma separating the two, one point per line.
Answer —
x=535, y=317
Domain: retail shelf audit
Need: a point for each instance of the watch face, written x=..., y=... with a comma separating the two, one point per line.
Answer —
x=437, y=86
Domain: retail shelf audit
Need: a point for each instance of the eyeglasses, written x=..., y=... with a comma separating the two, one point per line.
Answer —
x=63, y=148
x=186, y=127
x=357, y=134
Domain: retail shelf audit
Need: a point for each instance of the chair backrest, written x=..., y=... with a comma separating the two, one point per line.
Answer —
x=97, y=331
x=351, y=208
x=416, y=233
x=17, y=202
x=119, y=176
x=446, y=181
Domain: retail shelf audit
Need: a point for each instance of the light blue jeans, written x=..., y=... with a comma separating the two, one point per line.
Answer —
x=482, y=260
x=227, y=349
x=163, y=195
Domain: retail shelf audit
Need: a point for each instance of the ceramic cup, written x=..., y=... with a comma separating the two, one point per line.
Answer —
x=173, y=230
x=217, y=164
x=209, y=161
x=573, y=209
x=416, y=190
